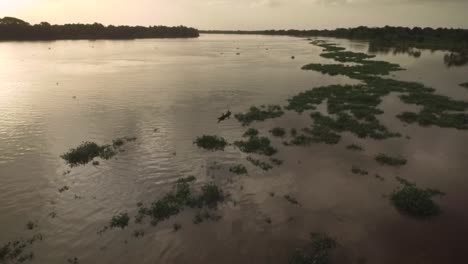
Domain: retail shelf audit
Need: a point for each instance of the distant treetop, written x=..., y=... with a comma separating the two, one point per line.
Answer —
x=16, y=29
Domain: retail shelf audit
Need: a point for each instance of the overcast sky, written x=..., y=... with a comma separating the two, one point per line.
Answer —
x=244, y=14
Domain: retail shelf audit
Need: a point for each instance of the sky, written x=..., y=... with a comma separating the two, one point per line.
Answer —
x=244, y=14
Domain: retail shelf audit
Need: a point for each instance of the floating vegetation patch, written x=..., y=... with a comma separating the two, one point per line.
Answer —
x=259, y=114
x=291, y=199
x=238, y=169
x=361, y=100
x=18, y=251
x=357, y=170
x=318, y=252
x=261, y=164
x=278, y=132
x=391, y=161
x=354, y=147
x=119, y=221
x=251, y=132
x=377, y=176
x=258, y=145
x=182, y=196
x=414, y=201
x=87, y=151
x=212, y=143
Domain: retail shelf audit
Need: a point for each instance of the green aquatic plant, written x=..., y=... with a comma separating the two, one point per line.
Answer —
x=180, y=197
x=317, y=252
x=87, y=151
x=18, y=251
x=261, y=164
x=362, y=100
x=251, y=132
x=357, y=170
x=238, y=169
x=391, y=161
x=121, y=221
x=259, y=114
x=258, y=145
x=211, y=142
x=354, y=147
x=414, y=201
x=278, y=132
x=82, y=154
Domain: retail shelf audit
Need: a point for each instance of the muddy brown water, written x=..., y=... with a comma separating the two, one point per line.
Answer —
x=180, y=87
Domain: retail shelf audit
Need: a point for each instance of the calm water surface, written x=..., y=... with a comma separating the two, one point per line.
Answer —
x=180, y=87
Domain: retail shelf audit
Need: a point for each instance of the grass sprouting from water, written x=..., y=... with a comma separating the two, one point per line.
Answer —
x=211, y=142
x=238, y=169
x=414, y=201
x=391, y=161
x=259, y=114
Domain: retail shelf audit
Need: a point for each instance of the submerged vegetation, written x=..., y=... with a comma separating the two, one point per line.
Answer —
x=318, y=252
x=211, y=142
x=414, y=201
x=259, y=114
x=251, y=132
x=464, y=85
x=391, y=161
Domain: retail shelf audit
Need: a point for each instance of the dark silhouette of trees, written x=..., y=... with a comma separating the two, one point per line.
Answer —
x=400, y=37
x=16, y=29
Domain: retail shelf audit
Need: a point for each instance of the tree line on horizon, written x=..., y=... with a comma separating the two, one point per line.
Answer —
x=438, y=38
x=16, y=29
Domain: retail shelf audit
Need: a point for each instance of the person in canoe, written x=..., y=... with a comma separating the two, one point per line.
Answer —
x=224, y=116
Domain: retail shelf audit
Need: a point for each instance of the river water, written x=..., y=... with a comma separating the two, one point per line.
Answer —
x=54, y=95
